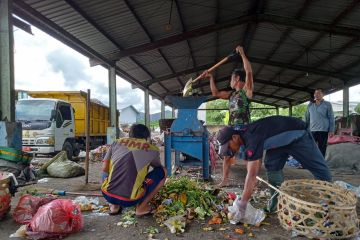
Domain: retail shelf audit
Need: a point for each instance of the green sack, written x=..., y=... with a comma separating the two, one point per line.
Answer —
x=13, y=155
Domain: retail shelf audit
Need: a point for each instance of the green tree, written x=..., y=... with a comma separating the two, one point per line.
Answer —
x=357, y=108
x=216, y=116
x=259, y=110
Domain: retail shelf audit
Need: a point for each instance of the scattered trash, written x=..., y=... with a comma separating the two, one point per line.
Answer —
x=128, y=219
x=239, y=231
x=43, y=180
x=208, y=229
x=28, y=206
x=152, y=230
x=20, y=233
x=224, y=228
x=251, y=235
x=350, y=187
x=176, y=224
x=215, y=220
x=87, y=204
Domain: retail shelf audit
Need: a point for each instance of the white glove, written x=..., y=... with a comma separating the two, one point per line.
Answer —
x=237, y=211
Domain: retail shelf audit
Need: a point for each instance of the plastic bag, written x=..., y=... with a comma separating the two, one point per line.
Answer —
x=252, y=216
x=28, y=206
x=64, y=168
x=350, y=187
x=86, y=204
x=56, y=219
x=176, y=224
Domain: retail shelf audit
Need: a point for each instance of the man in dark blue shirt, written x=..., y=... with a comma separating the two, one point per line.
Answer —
x=272, y=139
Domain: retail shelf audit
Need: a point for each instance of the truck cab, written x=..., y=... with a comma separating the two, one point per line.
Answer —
x=48, y=126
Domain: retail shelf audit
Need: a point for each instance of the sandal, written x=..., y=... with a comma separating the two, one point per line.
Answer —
x=115, y=213
x=149, y=213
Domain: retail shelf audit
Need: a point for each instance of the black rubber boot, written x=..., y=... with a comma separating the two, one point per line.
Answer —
x=275, y=178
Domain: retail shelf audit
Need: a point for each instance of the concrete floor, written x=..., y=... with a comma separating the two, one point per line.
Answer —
x=104, y=226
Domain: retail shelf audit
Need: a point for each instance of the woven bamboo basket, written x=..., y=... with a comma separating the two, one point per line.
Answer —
x=317, y=209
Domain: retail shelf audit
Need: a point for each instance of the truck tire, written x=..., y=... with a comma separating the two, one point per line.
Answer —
x=69, y=150
x=76, y=150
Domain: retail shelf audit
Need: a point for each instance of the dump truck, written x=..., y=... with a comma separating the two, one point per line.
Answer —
x=55, y=121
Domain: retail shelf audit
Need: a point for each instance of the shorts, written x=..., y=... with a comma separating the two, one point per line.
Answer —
x=152, y=180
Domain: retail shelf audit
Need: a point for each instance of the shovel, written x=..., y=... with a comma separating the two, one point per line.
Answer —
x=188, y=86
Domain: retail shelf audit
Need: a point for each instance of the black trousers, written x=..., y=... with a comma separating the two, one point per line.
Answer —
x=321, y=139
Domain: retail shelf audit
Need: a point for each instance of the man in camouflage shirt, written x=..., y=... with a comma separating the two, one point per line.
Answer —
x=242, y=85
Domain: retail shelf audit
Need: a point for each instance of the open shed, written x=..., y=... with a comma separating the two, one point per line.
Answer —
x=294, y=46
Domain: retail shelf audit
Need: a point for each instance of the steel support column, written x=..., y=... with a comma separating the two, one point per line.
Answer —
x=290, y=110
x=7, y=90
x=163, y=109
x=112, y=97
x=346, y=101
x=277, y=111
x=147, y=108
x=173, y=112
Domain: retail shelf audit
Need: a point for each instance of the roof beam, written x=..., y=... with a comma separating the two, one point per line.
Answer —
x=257, y=8
x=22, y=25
x=260, y=61
x=292, y=87
x=151, y=39
x=184, y=30
x=300, y=68
x=309, y=25
x=286, y=21
x=337, y=19
x=98, y=28
x=181, y=37
x=285, y=34
x=211, y=98
x=92, y=22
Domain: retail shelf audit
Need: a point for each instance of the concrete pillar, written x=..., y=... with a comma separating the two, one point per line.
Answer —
x=290, y=110
x=346, y=101
x=173, y=112
x=147, y=108
x=277, y=111
x=112, y=97
x=162, y=109
x=7, y=89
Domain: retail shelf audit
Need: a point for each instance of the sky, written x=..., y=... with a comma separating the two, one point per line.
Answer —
x=43, y=63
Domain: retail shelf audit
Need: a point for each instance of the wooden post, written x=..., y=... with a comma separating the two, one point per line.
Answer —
x=87, y=134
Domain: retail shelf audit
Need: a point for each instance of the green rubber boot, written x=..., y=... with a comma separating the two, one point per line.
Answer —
x=275, y=178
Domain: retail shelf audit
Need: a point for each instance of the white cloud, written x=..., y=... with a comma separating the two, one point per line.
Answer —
x=43, y=63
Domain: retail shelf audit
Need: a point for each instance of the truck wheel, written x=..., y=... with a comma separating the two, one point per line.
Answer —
x=76, y=151
x=69, y=150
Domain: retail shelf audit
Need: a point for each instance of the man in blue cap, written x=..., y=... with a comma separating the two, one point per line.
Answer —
x=272, y=140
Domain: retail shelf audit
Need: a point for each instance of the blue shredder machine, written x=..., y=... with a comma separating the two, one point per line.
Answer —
x=187, y=135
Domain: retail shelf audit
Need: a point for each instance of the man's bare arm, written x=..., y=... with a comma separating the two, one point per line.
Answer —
x=253, y=169
x=249, y=81
x=215, y=92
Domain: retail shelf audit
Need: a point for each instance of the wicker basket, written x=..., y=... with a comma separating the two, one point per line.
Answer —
x=317, y=209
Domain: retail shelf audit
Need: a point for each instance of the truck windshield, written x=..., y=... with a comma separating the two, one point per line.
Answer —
x=34, y=110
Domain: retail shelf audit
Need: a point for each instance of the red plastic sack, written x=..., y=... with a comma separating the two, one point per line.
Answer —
x=56, y=219
x=28, y=206
x=343, y=139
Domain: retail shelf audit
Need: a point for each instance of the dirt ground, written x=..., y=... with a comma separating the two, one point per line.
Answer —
x=103, y=226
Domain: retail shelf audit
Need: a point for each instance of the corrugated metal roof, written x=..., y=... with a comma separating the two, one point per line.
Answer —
x=292, y=41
